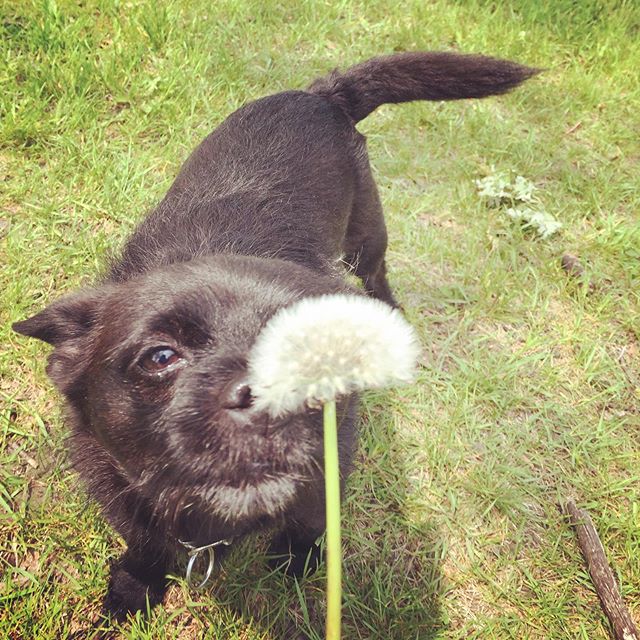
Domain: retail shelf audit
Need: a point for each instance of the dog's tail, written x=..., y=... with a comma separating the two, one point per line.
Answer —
x=418, y=76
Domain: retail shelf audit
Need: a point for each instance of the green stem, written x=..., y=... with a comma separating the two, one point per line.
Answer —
x=333, y=544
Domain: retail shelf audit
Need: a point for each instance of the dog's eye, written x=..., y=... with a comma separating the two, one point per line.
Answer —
x=159, y=359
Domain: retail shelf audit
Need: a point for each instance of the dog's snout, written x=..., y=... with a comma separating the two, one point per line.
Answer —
x=237, y=396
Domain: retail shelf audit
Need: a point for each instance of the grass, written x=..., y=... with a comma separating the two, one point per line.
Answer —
x=530, y=386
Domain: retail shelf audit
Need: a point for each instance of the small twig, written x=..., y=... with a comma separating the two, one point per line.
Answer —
x=601, y=574
x=573, y=129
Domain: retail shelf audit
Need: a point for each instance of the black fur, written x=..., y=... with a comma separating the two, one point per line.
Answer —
x=152, y=361
x=403, y=77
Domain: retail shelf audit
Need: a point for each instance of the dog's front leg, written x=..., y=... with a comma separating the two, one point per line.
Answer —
x=138, y=576
x=138, y=580
x=295, y=549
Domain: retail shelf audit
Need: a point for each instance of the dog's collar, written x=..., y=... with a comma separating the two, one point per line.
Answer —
x=195, y=553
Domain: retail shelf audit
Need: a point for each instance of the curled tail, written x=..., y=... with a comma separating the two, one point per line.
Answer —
x=418, y=76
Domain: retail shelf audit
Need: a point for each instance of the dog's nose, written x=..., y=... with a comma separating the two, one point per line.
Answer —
x=237, y=395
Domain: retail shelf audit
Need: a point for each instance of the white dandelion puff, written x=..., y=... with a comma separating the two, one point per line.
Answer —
x=323, y=347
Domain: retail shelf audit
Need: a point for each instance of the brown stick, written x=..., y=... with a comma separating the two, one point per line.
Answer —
x=603, y=579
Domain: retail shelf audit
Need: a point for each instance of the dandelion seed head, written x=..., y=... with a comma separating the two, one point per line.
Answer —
x=320, y=348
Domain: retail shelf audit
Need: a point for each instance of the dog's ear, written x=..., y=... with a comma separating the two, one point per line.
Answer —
x=68, y=324
x=66, y=319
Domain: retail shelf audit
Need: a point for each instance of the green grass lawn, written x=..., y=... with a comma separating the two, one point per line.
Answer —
x=530, y=386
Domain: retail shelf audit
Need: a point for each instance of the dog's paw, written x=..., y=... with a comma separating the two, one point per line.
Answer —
x=296, y=560
x=128, y=593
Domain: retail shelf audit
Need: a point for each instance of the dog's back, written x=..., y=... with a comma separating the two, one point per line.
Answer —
x=275, y=179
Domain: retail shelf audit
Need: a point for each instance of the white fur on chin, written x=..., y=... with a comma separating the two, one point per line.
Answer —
x=269, y=497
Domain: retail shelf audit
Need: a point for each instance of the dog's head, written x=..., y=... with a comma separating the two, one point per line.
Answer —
x=155, y=369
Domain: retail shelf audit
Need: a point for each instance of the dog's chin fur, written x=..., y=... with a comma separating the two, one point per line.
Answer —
x=152, y=361
x=268, y=497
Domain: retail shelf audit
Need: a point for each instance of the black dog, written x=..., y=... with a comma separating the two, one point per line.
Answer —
x=152, y=362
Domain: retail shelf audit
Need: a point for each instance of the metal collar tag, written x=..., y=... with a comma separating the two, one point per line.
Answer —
x=194, y=554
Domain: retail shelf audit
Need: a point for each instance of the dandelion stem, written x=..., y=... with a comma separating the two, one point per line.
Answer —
x=332, y=493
